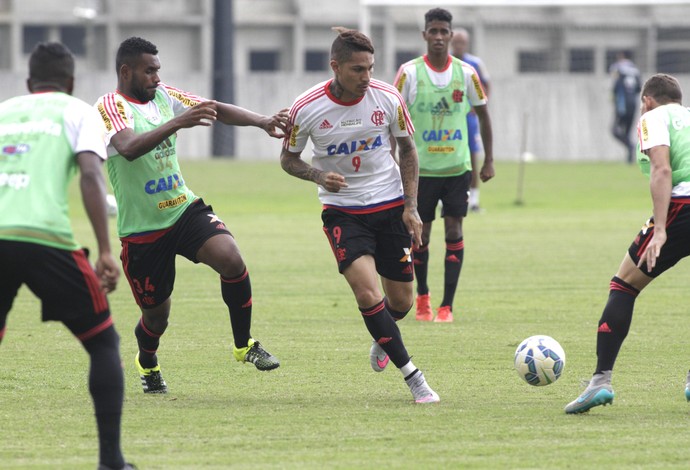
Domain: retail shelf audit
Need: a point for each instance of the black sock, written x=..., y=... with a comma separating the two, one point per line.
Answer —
x=237, y=294
x=420, y=259
x=397, y=316
x=106, y=384
x=383, y=329
x=455, y=251
x=614, y=323
x=148, y=342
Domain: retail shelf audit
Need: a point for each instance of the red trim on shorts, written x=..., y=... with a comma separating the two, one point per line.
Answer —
x=330, y=240
x=2, y=332
x=100, y=304
x=146, y=237
x=367, y=209
x=241, y=278
x=420, y=249
x=674, y=209
x=96, y=330
x=124, y=255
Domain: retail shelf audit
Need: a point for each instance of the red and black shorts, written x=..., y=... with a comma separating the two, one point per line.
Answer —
x=677, y=244
x=63, y=280
x=452, y=191
x=382, y=235
x=148, y=260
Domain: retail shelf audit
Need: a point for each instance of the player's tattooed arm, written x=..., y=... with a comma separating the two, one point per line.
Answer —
x=409, y=169
x=295, y=166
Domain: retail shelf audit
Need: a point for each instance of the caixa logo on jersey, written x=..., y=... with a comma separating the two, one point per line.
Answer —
x=442, y=135
x=346, y=148
x=15, y=149
x=14, y=180
x=173, y=181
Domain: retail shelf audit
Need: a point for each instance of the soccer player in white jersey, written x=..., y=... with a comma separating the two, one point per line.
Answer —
x=369, y=203
x=441, y=91
x=159, y=217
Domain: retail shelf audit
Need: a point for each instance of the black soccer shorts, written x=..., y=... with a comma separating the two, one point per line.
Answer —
x=676, y=246
x=382, y=235
x=63, y=280
x=452, y=191
x=148, y=260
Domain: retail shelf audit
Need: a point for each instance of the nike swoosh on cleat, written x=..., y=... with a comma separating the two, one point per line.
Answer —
x=382, y=363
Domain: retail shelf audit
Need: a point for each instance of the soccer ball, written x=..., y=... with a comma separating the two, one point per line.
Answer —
x=539, y=360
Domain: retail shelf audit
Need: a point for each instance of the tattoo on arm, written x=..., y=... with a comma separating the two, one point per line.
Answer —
x=295, y=166
x=409, y=168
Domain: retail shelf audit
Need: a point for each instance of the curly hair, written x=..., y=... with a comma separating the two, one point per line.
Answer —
x=130, y=49
x=347, y=42
x=437, y=14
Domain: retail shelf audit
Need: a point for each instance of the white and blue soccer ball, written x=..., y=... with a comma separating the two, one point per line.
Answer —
x=539, y=360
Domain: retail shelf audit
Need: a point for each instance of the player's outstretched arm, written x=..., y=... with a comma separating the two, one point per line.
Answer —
x=293, y=164
x=131, y=145
x=92, y=185
x=275, y=126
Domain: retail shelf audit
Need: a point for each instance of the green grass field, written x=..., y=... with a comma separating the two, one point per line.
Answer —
x=539, y=268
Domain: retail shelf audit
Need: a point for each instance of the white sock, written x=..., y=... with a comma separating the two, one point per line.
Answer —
x=602, y=378
x=407, y=369
x=474, y=197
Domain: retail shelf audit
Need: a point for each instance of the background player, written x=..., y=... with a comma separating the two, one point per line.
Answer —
x=370, y=205
x=460, y=45
x=45, y=138
x=440, y=91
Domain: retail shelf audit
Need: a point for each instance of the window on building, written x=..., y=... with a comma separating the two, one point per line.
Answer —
x=316, y=61
x=32, y=35
x=673, y=34
x=74, y=37
x=404, y=56
x=534, y=61
x=673, y=61
x=581, y=61
x=264, y=61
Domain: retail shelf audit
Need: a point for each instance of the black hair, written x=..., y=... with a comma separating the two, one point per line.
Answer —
x=437, y=14
x=50, y=62
x=347, y=42
x=663, y=88
x=130, y=49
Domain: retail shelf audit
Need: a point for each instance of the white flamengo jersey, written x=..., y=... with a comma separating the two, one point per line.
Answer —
x=353, y=139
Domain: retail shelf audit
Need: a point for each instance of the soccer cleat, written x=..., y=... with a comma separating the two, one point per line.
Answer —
x=257, y=355
x=378, y=357
x=151, y=379
x=424, y=312
x=591, y=397
x=421, y=391
x=687, y=392
x=128, y=466
x=444, y=314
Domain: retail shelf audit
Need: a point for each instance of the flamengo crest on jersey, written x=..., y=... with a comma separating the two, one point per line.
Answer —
x=352, y=139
